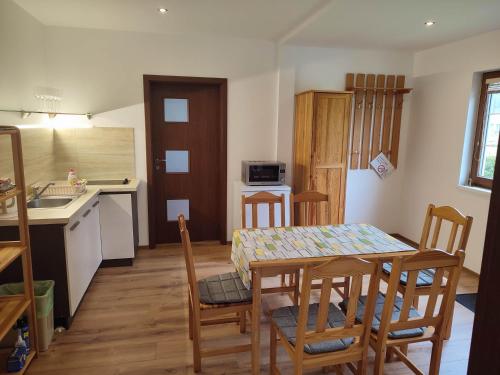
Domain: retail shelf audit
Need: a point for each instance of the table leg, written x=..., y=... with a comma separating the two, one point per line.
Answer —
x=256, y=311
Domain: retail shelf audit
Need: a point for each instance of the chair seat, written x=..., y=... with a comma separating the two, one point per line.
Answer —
x=379, y=306
x=286, y=319
x=424, y=278
x=223, y=289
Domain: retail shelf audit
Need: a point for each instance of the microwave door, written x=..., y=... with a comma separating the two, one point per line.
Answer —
x=264, y=174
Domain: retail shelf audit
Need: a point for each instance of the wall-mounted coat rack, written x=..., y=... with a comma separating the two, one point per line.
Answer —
x=376, y=124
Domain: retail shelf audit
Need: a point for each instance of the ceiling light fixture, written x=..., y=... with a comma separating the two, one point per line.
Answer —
x=430, y=23
x=162, y=10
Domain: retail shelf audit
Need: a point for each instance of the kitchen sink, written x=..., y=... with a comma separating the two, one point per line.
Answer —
x=48, y=202
x=108, y=182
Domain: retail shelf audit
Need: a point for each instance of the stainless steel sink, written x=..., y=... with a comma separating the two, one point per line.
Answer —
x=108, y=182
x=49, y=202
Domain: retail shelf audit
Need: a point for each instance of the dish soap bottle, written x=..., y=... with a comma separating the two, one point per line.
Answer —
x=72, y=177
x=17, y=359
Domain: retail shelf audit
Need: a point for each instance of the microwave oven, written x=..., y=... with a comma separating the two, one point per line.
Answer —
x=262, y=172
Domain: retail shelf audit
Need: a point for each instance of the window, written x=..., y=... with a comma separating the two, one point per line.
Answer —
x=487, y=131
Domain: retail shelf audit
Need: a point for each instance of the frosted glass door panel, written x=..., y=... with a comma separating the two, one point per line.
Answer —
x=175, y=207
x=176, y=110
x=176, y=161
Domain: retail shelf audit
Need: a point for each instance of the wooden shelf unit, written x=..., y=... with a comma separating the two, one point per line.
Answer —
x=29, y=358
x=13, y=307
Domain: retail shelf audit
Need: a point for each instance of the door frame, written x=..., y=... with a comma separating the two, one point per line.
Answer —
x=221, y=83
x=485, y=346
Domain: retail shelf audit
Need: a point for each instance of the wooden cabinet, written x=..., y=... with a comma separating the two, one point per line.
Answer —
x=320, y=149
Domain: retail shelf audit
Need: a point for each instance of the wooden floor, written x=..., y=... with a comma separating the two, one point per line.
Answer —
x=133, y=320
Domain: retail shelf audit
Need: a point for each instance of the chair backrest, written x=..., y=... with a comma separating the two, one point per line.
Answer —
x=188, y=257
x=455, y=218
x=441, y=262
x=337, y=267
x=262, y=197
x=309, y=209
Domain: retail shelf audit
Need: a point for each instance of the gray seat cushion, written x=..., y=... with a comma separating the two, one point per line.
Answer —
x=401, y=334
x=223, y=289
x=424, y=278
x=286, y=319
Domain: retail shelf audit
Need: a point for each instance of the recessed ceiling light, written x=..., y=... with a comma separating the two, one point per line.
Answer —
x=430, y=23
x=162, y=10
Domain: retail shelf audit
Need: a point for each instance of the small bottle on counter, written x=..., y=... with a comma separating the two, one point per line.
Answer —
x=72, y=177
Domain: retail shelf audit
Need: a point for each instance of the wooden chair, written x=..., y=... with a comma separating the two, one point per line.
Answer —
x=320, y=334
x=270, y=199
x=211, y=300
x=308, y=205
x=397, y=323
x=457, y=221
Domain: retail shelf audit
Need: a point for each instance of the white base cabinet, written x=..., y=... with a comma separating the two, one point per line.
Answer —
x=83, y=251
x=117, y=226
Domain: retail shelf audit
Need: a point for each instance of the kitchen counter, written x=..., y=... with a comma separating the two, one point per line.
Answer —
x=41, y=216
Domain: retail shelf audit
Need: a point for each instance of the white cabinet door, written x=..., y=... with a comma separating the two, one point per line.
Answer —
x=83, y=252
x=93, y=243
x=117, y=231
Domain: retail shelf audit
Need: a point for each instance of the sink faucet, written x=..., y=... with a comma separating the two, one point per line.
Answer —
x=37, y=191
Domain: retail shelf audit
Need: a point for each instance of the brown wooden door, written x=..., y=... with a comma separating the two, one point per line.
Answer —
x=330, y=140
x=188, y=166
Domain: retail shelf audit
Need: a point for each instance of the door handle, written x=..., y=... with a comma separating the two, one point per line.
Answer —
x=158, y=163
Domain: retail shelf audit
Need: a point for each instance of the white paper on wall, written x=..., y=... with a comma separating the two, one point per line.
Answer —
x=382, y=166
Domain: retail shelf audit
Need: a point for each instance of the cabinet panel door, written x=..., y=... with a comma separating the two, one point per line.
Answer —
x=331, y=129
x=117, y=234
x=303, y=143
x=76, y=262
x=94, y=239
x=332, y=113
x=83, y=253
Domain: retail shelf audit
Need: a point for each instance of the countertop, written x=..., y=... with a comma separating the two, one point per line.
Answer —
x=40, y=216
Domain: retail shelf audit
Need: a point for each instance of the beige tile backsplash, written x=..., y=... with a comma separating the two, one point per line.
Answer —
x=96, y=153
x=38, y=155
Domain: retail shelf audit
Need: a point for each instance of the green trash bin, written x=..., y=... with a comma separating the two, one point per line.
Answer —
x=44, y=302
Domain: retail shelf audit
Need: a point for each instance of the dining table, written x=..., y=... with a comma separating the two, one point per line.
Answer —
x=267, y=252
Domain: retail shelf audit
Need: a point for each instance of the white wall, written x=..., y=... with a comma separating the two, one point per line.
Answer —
x=368, y=199
x=441, y=129
x=22, y=58
x=101, y=72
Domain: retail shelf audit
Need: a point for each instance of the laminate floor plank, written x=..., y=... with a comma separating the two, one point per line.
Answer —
x=133, y=321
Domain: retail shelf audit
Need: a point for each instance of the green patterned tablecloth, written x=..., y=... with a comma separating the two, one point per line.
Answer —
x=251, y=245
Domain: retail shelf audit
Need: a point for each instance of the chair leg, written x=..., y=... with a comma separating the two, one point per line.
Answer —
x=346, y=287
x=243, y=322
x=361, y=367
x=404, y=349
x=283, y=279
x=415, y=301
x=196, y=345
x=296, y=284
x=388, y=355
x=437, y=349
x=378, y=366
x=447, y=333
x=272, y=350
x=190, y=320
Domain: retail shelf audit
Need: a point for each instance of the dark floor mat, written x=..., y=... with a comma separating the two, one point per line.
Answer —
x=467, y=300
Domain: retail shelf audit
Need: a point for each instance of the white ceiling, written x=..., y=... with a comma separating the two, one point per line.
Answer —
x=261, y=19
x=388, y=24
x=399, y=24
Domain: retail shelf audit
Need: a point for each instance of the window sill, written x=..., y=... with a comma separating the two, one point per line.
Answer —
x=475, y=190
